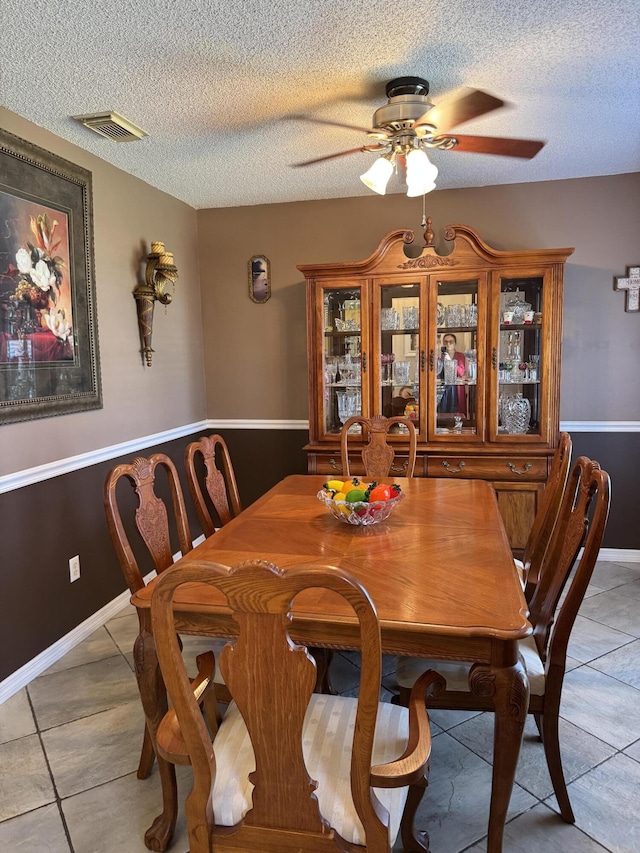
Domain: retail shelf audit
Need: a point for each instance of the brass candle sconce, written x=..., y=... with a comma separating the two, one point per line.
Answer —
x=160, y=272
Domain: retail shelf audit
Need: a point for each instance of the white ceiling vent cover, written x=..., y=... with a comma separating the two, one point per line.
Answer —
x=113, y=126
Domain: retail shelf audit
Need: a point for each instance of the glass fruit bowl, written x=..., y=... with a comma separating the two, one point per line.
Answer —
x=359, y=512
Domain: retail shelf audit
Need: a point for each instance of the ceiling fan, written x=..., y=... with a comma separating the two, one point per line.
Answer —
x=408, y=124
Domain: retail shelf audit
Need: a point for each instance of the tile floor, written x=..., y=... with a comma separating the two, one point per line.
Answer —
x=69, y=747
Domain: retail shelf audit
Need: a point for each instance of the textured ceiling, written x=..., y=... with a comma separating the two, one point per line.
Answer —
x=213, y=83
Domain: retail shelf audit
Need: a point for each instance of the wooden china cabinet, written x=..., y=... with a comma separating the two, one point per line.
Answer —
x=467, y=344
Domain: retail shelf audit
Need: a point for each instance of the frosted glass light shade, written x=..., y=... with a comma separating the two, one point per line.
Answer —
x=377, y=177
x=421, y=173
x=420, y=189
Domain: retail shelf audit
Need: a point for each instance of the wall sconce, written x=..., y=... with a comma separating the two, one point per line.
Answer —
x=160, y=271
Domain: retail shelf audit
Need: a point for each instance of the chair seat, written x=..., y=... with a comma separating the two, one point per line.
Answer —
x=456, y=673
x=327, y=742
x=520, y=570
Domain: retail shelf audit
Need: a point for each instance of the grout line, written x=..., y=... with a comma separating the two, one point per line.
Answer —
x=58, y=799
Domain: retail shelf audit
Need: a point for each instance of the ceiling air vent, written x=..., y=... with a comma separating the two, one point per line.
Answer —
x=113, y=126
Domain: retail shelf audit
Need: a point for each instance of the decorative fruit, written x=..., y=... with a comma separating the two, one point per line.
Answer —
x=334, y=486
x=339, y=496
x=380, y=492
x=356, y=495
x=395, y=490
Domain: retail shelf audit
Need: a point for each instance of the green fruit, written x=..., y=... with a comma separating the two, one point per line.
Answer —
x=356, y=495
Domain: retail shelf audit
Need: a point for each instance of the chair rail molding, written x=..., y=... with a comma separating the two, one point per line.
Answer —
x=29, y=476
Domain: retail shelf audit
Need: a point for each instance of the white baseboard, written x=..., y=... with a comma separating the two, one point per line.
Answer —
x=37, y=665
x=619, y=555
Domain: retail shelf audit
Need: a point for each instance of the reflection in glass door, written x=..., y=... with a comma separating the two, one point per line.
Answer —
x=399, y=347
x=519, y=356
x=342, y=356
x=456, y=358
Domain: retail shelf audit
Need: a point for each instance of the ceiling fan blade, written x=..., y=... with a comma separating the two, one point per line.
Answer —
x=340, y=154
x=525, y=148
x=331, y=123
x=470, y=103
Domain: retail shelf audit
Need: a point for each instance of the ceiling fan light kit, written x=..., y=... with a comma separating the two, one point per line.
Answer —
x=408, y=125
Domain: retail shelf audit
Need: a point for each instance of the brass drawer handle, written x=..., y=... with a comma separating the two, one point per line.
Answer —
x=400, y=469
x=511, y=466
x=335, y=466
x=451, y=470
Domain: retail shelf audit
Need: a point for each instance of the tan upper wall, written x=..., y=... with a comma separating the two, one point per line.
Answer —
x=255, y=355
x=127, y=214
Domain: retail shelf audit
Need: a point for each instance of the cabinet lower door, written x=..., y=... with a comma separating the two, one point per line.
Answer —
x=518, y=504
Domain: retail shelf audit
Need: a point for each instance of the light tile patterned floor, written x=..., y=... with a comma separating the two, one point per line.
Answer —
x=69, y=747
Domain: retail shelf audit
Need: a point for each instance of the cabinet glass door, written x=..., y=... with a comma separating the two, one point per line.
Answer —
x=454, y=358
x=520, y=354
x=398, y=381
x=341, y=357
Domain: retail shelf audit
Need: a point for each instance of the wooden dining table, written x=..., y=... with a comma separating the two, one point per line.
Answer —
x=439, y=571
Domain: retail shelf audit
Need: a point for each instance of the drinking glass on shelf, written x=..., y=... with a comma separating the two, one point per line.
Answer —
x=402, y=372
x=349, y=404
x=450, y=371
x=409, y=318
x=389, y=319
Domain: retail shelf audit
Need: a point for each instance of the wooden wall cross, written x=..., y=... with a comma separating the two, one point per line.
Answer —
x=632, y=285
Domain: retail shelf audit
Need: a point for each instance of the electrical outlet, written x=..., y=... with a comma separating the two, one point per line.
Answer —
x=74, y=568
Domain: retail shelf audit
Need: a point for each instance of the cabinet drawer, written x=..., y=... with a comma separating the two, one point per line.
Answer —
x=330, y=464
x=488, y=467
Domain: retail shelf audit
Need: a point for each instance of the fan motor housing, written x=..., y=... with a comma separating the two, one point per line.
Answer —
x=407, y=102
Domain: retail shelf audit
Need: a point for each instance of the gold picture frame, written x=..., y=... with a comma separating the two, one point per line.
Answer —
x=49, y=360
x=259, y=279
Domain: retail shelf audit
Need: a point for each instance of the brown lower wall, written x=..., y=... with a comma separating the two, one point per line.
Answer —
x=45, y=524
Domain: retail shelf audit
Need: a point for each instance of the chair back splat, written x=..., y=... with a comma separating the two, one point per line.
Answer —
x=377, y=454
x=151, y=518
x=547, y=514
x=278, y=736
x=219, y=481
x=152, y=523
x=579, y=524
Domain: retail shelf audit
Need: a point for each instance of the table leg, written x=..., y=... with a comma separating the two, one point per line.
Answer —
x=153, y=695
x=509, y=688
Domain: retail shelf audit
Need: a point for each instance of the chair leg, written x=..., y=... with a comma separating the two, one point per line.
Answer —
x=414, y=841
x=538, y=718
x=323, y=658
x=551, y=742
x=402, y=698
x=147, y=756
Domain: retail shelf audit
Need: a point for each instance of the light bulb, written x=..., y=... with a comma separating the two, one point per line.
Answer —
x=377, y=177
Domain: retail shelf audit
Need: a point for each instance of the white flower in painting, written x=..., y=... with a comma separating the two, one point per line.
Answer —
x=42, y=276
x=57, y=322
x=23, y=259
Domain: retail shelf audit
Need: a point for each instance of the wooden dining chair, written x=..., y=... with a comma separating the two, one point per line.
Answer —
x=581, y=523
x=377, y=454
x=152, y=522
x=331, y=773
x=546, y=517
x=219, y=481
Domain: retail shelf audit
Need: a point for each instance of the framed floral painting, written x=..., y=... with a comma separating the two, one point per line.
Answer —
x=49, y=362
